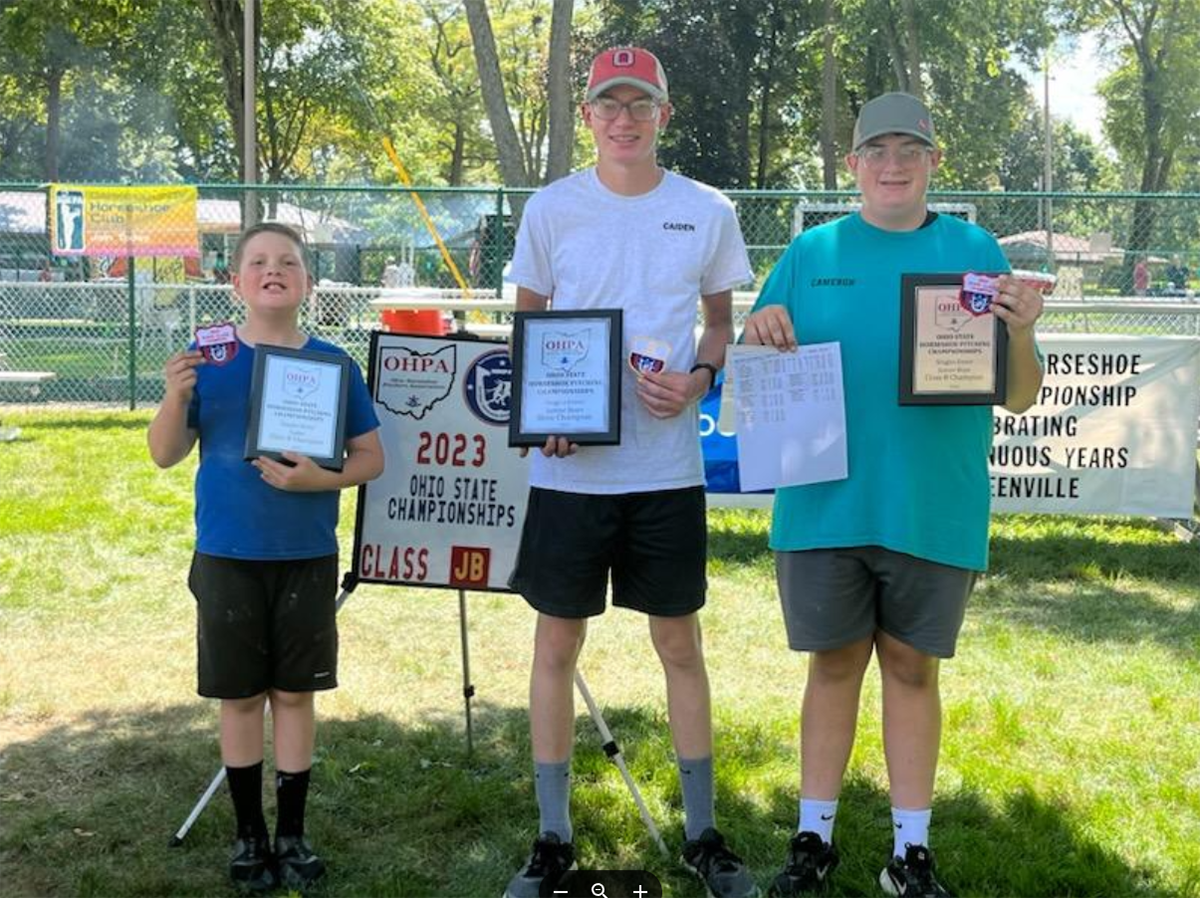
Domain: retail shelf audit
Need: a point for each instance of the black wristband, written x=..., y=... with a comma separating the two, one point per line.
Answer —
x=710, y=368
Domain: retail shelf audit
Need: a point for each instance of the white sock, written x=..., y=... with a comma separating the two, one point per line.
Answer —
x=817, y=817
x=909, y=828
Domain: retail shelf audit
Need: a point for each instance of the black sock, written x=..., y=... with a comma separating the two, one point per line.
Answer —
x=291, y=795
x=245, y=785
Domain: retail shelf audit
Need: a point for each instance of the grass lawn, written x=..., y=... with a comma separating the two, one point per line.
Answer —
x=1070, y=758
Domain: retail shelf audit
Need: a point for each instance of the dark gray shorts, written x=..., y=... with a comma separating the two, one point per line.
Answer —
x=265, y=625
x=834, y=597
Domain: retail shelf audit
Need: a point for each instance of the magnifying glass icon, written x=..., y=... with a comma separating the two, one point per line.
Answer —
x=598, y=890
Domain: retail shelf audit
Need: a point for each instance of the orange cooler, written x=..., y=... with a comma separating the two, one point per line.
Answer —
x=410, y=321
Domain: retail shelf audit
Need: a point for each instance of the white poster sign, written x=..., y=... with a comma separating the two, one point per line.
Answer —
x=447, y=510
x=1113, y=430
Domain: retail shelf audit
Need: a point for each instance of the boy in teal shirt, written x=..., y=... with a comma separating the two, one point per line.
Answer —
x=883, y=561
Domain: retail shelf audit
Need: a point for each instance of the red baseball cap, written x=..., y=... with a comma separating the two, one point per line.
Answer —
x=627, y=65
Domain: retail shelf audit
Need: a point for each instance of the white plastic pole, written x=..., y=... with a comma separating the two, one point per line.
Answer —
x=614, y=753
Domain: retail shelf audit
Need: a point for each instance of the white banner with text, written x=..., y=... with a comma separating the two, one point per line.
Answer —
x=1113, y=430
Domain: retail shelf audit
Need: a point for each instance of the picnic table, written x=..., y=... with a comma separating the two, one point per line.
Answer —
x=33, y=379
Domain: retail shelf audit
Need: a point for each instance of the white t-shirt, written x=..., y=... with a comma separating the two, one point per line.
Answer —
x=653, y=256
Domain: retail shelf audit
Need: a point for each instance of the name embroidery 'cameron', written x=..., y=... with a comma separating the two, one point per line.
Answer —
x=832, y=282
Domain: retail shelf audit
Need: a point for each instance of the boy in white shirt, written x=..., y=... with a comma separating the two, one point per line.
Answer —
x=627, y=234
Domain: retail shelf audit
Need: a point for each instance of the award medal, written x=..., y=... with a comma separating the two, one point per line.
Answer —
x=648, y=355
x=218, y=342
x=978, y=291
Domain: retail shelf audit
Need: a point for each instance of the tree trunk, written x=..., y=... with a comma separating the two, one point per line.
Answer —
x=508, y=146
x=457, y=155
x=53, y=117
x=225, y=18
x=829, y=79
x=912, y=49
x=895, y=50
x=767, y=79
x=558, y=90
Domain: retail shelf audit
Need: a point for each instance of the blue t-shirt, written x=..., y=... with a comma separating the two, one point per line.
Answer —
x=918, y=475
x=239, y=515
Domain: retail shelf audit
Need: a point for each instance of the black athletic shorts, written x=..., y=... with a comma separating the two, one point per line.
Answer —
x=654, y=544
x=265, y=625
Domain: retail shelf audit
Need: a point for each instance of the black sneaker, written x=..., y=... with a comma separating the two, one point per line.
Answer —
x=722, y=872
x=550, y=859
x=299, y=867
x=251, y=866
x=810, y=862
x=912, y=875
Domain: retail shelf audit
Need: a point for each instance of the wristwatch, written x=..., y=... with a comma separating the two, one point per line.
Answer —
x=707, y=366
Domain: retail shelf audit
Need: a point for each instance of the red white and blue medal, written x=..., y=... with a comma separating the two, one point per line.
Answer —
x=648, y=355
x=978, y=292
x=218, y=342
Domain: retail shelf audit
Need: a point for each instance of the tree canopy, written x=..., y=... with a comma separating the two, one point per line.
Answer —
x=764, y=91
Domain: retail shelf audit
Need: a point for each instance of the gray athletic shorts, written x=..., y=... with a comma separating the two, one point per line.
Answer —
x=834, y=597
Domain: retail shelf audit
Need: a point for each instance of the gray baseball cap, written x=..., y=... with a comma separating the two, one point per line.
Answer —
x=893, y=113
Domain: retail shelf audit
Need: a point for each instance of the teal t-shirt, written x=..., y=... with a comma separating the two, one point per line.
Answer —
x=918, y=475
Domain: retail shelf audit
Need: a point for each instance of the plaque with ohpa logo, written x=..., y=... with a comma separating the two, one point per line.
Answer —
x=953, y=349
x=566, y=377
x=298, y=404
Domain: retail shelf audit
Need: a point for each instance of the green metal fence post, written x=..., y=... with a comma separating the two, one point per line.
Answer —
x=132, y=337
x=498, y=242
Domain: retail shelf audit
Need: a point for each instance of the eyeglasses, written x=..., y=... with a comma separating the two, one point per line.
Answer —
x=910, y=154
x=607, y=109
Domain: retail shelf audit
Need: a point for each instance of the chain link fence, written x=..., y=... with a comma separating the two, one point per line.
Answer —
x=98, y=330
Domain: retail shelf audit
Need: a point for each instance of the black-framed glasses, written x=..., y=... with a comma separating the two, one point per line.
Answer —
x=607, y=109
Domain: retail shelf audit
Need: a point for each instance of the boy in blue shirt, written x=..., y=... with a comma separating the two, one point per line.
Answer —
x=883, y=561
x=265, y=569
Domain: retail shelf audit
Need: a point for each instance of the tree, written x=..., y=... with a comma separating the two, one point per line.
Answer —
x=226, y=19
x=735, y=70
x=521, y=149
x=558, y=88
x=962, y=70
x=829, y=105
x=1153, y=97
x=47, y=41
x=451, y=59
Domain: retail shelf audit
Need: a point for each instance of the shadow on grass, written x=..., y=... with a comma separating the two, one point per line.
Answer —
x=1094, y=613
x=89, y=808
x=1070, y=576
x=1067, y=553
x=1030, y=848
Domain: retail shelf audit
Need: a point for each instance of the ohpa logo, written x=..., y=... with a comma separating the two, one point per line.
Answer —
x=488, y=387
x=300, y=382
x=563, y=350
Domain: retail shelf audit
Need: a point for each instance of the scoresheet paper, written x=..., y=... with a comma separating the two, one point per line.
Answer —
x=790, y=415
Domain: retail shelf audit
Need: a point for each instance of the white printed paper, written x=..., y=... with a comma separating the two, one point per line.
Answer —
x=790, y=415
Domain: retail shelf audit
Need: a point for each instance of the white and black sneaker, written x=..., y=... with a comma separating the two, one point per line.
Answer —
x=550, y=859
x=912, y=876
x=810, y=862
